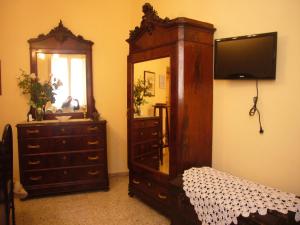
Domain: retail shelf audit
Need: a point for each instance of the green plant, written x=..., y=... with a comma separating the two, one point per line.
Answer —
x=39, y=93
x=139, y=90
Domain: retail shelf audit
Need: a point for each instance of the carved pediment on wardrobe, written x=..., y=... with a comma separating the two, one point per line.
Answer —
x=155, y=32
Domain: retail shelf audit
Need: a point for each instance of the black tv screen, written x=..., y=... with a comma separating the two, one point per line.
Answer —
x=246, y=57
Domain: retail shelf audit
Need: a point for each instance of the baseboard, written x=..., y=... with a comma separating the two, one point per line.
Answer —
x=118, y=174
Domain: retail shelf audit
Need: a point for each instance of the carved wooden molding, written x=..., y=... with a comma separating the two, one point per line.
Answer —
x=61, y=34
x=149, y=20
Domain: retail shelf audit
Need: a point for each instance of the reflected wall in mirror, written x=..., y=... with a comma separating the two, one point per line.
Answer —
x=147, y=74
x=67, y=57
x=70, y=70
x=151, y=93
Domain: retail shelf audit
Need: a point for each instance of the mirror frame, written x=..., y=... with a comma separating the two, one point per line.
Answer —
x=60, y=40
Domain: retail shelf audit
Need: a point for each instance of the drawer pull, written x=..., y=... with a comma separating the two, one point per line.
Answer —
x=93, y=173
x=36, y=131
x=149, y=184
x=33, y=146
x=65, y=172
x=93, y=158
x=156, y=123
x=161, y=196
x=141, y=133
x=62, y=130
x=34, y=162
x=154, y=146
x=135, y=181
x=35, y=178
x=92, y=128
x=154, y=133
x=64, y=157
x=64, y=142
x=93, y=142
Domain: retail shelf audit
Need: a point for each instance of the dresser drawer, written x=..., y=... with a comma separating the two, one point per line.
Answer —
x=42, y=145
x=146, y=148
x=144, y=134
x=146, y=123
x=63, y=175
x=39, y=131
x=43, y=161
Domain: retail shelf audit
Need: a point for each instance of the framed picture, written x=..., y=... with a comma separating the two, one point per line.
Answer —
x=149, y=79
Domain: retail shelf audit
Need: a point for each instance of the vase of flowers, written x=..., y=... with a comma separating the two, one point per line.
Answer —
x=39, y=93
x=139, y=90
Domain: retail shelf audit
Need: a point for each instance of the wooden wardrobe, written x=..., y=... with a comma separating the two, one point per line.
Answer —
x=175, y=57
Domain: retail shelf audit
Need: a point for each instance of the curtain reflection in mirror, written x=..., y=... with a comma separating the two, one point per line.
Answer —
x=70, y=69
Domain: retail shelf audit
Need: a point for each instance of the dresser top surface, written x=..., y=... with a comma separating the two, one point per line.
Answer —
x=56, y=122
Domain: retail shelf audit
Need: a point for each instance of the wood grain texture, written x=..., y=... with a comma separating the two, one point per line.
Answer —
x=62, y=157
x=189, y=44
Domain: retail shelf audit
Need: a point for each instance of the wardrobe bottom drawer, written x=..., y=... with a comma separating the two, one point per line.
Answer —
x=37, y=177
x=150, y=188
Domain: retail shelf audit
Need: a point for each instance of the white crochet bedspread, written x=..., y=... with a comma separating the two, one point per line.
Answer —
x=219, y=198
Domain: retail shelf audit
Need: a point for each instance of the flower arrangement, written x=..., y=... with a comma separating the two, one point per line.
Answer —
x=140, y=90
x=39, y=93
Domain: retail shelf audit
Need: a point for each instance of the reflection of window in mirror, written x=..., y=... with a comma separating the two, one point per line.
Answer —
x=70, y=69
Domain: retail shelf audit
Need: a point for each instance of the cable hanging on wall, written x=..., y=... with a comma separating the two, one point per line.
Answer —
x=254, y=109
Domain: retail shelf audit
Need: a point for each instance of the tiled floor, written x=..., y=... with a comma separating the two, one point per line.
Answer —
x=114, y=207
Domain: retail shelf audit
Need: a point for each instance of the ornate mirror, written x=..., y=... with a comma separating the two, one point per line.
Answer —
x=60, y=55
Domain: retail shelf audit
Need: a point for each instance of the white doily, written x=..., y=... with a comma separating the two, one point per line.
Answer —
x=219, y=198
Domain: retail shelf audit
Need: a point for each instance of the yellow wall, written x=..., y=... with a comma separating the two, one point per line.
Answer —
x=272, y=158
x=106, y=23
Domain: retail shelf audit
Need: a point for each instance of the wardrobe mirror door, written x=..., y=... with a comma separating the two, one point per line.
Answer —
x=151, y=103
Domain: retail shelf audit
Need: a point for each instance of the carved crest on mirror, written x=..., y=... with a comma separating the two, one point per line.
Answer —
x=61, y=43
x=60, y=33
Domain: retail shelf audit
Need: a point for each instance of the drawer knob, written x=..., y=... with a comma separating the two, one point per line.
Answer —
x=35, y=131
x=135, y=181
x=64, y=157
x=93, y=142
x=62, y=130
x=33, y=146
x=64, y=142
x=93, y=158
x=161, y=196
x=141, y=133
x=65, y=172
x=34, y=162
x=149, y=184
x=35, y=178
x=93, y=173
x=92, y=128
x=154, y=133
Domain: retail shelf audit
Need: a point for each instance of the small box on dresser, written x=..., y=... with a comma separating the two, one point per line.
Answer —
x=57, y=157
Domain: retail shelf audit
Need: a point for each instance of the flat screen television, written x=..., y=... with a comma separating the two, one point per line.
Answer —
x=246, y=57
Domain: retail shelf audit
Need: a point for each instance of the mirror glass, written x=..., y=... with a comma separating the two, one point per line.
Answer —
x=152, y=99
x=70, y=70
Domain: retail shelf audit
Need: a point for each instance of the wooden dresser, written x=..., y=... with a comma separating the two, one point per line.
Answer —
x=58, y=157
